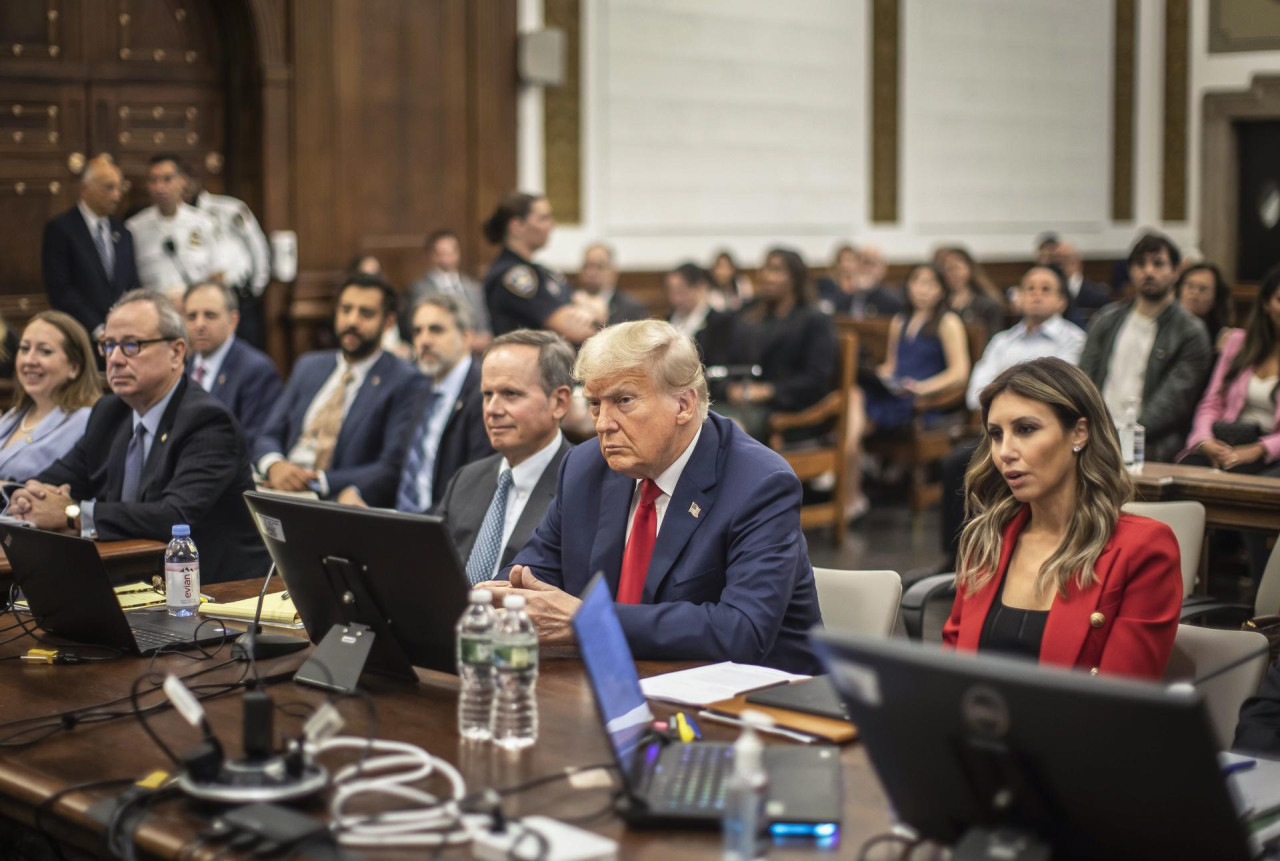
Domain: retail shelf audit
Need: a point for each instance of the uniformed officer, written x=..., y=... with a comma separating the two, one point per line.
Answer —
x=520, y=293
x=246, y=254
x=176, y=244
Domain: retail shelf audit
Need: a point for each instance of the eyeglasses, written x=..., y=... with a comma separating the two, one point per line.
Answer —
x=129, y=346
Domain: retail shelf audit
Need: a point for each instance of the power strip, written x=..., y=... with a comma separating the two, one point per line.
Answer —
x=559, y=842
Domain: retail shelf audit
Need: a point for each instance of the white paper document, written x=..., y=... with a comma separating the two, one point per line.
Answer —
x=701, y=686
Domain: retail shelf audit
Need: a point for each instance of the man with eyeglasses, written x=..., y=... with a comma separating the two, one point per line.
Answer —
x=156, y=452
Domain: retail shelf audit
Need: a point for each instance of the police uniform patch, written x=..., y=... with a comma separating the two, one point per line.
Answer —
x=521, y=281
x=556, y=283
x=195, y=241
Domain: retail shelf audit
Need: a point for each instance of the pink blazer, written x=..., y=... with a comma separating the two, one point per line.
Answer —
x=1123, y=624
x=1221, y=404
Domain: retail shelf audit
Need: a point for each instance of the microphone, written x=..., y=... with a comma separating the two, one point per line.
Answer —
x=253, y=645
x=171, y=251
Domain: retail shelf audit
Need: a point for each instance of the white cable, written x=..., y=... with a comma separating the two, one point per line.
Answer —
x=387, y=773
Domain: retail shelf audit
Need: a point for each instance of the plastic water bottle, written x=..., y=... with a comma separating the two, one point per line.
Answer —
x=182, y=573
x=475, y=666
x=745, y=827
x=1133, y=438
x=515, y=667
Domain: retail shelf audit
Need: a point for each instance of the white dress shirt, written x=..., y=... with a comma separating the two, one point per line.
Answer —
x=1054, y=337
x=210, y=365
x=666, y=482
x=197, y=254
x=524, y=478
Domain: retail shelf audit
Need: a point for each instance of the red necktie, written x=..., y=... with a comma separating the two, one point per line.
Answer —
x=635, y=559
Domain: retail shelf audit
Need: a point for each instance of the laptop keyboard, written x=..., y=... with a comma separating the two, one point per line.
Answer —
x=149, y=639
x=695, y=781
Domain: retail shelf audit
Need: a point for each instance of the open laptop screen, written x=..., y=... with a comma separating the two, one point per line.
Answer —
x=612, y=672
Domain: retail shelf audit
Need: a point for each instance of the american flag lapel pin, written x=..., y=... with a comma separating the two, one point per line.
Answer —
x=694, y=509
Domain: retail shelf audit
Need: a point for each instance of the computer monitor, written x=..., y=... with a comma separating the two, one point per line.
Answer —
x=398, y=574
x=1096, y=768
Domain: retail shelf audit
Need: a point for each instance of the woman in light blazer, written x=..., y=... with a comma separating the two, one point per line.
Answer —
x=57, y=382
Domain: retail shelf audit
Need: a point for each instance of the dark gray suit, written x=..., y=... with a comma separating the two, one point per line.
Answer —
x=470, y=491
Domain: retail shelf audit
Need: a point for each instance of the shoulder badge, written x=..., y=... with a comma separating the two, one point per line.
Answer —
x=195, y=240
x=521, y=281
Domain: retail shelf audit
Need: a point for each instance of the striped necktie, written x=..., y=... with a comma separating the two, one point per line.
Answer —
x=103, y=242
x=484, y=554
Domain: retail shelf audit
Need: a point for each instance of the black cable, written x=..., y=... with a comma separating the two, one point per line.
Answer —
x=908, y=844
x=180, y=649
x=142, y=719
x=46, y=805
x=113, y=652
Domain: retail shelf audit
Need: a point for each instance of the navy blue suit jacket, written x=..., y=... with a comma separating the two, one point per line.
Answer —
x=375, y=434
x=196, y=473
x=73, y=273
x=248, y=384
x=729, y=582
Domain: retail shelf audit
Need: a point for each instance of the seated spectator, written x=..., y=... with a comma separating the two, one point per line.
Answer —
x=1086, y=296
x=791, y=340
x=365, y=264
x=855, y=288
x=345, y=415
x=1237, y=424
x=970, y=293
x=1203, y=291
x=447, y=423
x=598, y=282
x=1046, y=247
x=1050, y=569
x=156, y=452
x=1147, y=355
x=688, y=293
x=928, y=353
x=444, y=254
x=521, y=294
x=696, y=526
x=56, y=383
x=1042, y=295
x=492, y=505
x=233, y=371
x=8, y=349
x=730, y=289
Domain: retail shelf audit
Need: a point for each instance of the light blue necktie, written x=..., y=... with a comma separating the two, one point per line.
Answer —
x=134, y=460
x=410, y=496
x=484, y=555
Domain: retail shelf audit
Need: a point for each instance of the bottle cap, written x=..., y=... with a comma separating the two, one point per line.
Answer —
x=513, y=602
x=181, y=530
x=480, y=596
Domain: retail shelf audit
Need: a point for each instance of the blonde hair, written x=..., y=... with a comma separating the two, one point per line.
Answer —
x=82, y=390
x=655, y=347
x=1102, y=483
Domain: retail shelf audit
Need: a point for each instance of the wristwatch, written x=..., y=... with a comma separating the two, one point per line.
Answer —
x=73, y=512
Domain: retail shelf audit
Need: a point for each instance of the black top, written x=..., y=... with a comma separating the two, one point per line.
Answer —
x=878, y=302
x=796, y=353
x=984, y=310
x=521, y=294
x=1011, y=631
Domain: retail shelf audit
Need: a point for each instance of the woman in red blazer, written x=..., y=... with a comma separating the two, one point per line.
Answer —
x=1049, y=567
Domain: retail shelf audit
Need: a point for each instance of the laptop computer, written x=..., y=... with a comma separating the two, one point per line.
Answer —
x=672, y=783
x=67, y=587
x=815, y=696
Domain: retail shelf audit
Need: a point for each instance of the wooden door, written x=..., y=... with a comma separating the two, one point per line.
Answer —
x=131, y=78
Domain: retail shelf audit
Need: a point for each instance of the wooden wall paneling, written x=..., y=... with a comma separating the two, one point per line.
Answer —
x=492, y=84
x=562, y=125
x=1122, y=103
x=1177, y=71
x=886, y=70
x=1220, y=163
x=37, y=36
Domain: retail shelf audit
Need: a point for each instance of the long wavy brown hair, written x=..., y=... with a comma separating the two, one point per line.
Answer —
x=1102, y=483
x=83, y=389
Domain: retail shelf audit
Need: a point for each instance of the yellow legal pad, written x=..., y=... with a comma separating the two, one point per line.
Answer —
x=132, y=596
x=277, y=609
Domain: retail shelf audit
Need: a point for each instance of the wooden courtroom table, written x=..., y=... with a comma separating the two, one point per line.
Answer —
x=135, y=557
x=1231, y=500
x=424, y=714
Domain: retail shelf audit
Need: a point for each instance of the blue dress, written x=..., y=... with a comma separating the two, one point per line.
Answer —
x=919, y=358
x=48, y=441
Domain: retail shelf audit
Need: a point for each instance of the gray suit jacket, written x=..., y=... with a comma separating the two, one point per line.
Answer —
x=466, y=501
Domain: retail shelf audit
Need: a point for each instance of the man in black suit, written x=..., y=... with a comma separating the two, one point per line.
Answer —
x=87, y=253
x=493, y=505
x=598, y=285
x=1086, y=296
x=234, y=372
x=447, y=426
x=157, y=452
x=688, y=293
